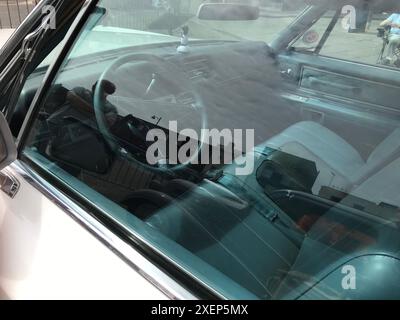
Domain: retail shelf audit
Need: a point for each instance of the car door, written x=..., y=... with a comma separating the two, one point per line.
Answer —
x=337, y=81
x=50, y=246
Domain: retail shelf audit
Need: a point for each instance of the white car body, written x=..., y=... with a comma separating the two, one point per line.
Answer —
x=46, y=254
x=4, y=35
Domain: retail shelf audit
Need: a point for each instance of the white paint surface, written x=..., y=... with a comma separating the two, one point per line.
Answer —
x=4, y=35
x=45, y=254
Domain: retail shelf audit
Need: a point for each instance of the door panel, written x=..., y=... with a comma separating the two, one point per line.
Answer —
x=358, y=102
x=351, y=87
x=347, y=79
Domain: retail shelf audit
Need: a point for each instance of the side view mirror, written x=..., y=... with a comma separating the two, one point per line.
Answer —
x=227, y=11
x=8, y=149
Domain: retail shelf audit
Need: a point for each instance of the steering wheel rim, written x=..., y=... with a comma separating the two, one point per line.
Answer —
x=99, y=106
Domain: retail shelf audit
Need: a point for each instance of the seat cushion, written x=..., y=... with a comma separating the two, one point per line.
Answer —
x=314, y=142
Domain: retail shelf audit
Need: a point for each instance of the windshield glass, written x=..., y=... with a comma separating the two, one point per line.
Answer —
x=253, y=143
x=165, y=17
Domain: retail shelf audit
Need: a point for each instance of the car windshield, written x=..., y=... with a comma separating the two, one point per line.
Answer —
x=144, y=22
x=158, y=21
x=255, y=144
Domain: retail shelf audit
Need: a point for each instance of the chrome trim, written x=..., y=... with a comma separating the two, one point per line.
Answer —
x=136, y=260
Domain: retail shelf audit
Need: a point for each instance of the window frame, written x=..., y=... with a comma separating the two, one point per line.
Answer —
x=182, y=278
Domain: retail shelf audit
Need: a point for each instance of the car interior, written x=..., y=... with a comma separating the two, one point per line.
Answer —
x=325, y=186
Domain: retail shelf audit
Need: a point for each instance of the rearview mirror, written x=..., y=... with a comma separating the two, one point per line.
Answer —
x=8, y=149
x=227, y=11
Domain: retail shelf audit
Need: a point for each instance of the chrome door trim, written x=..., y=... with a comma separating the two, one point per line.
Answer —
x=132, y=257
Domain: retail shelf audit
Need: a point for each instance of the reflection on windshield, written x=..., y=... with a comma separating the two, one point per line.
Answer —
x=158, y=23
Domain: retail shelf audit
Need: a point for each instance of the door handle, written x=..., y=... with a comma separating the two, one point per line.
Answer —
x=9, y=184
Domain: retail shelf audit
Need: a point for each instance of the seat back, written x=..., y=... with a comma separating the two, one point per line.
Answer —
x=383, y=187
x=383, y=155
x=387, y=147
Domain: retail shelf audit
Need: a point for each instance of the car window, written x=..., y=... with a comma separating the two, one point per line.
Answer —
x=309, y=40
x=163, y=19
x=187, y=137
x=361, y=45
x=356, y=35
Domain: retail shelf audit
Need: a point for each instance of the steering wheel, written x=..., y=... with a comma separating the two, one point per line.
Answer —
x=100, y=101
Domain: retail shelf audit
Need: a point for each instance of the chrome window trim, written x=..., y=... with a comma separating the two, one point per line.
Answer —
x=132, y=257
